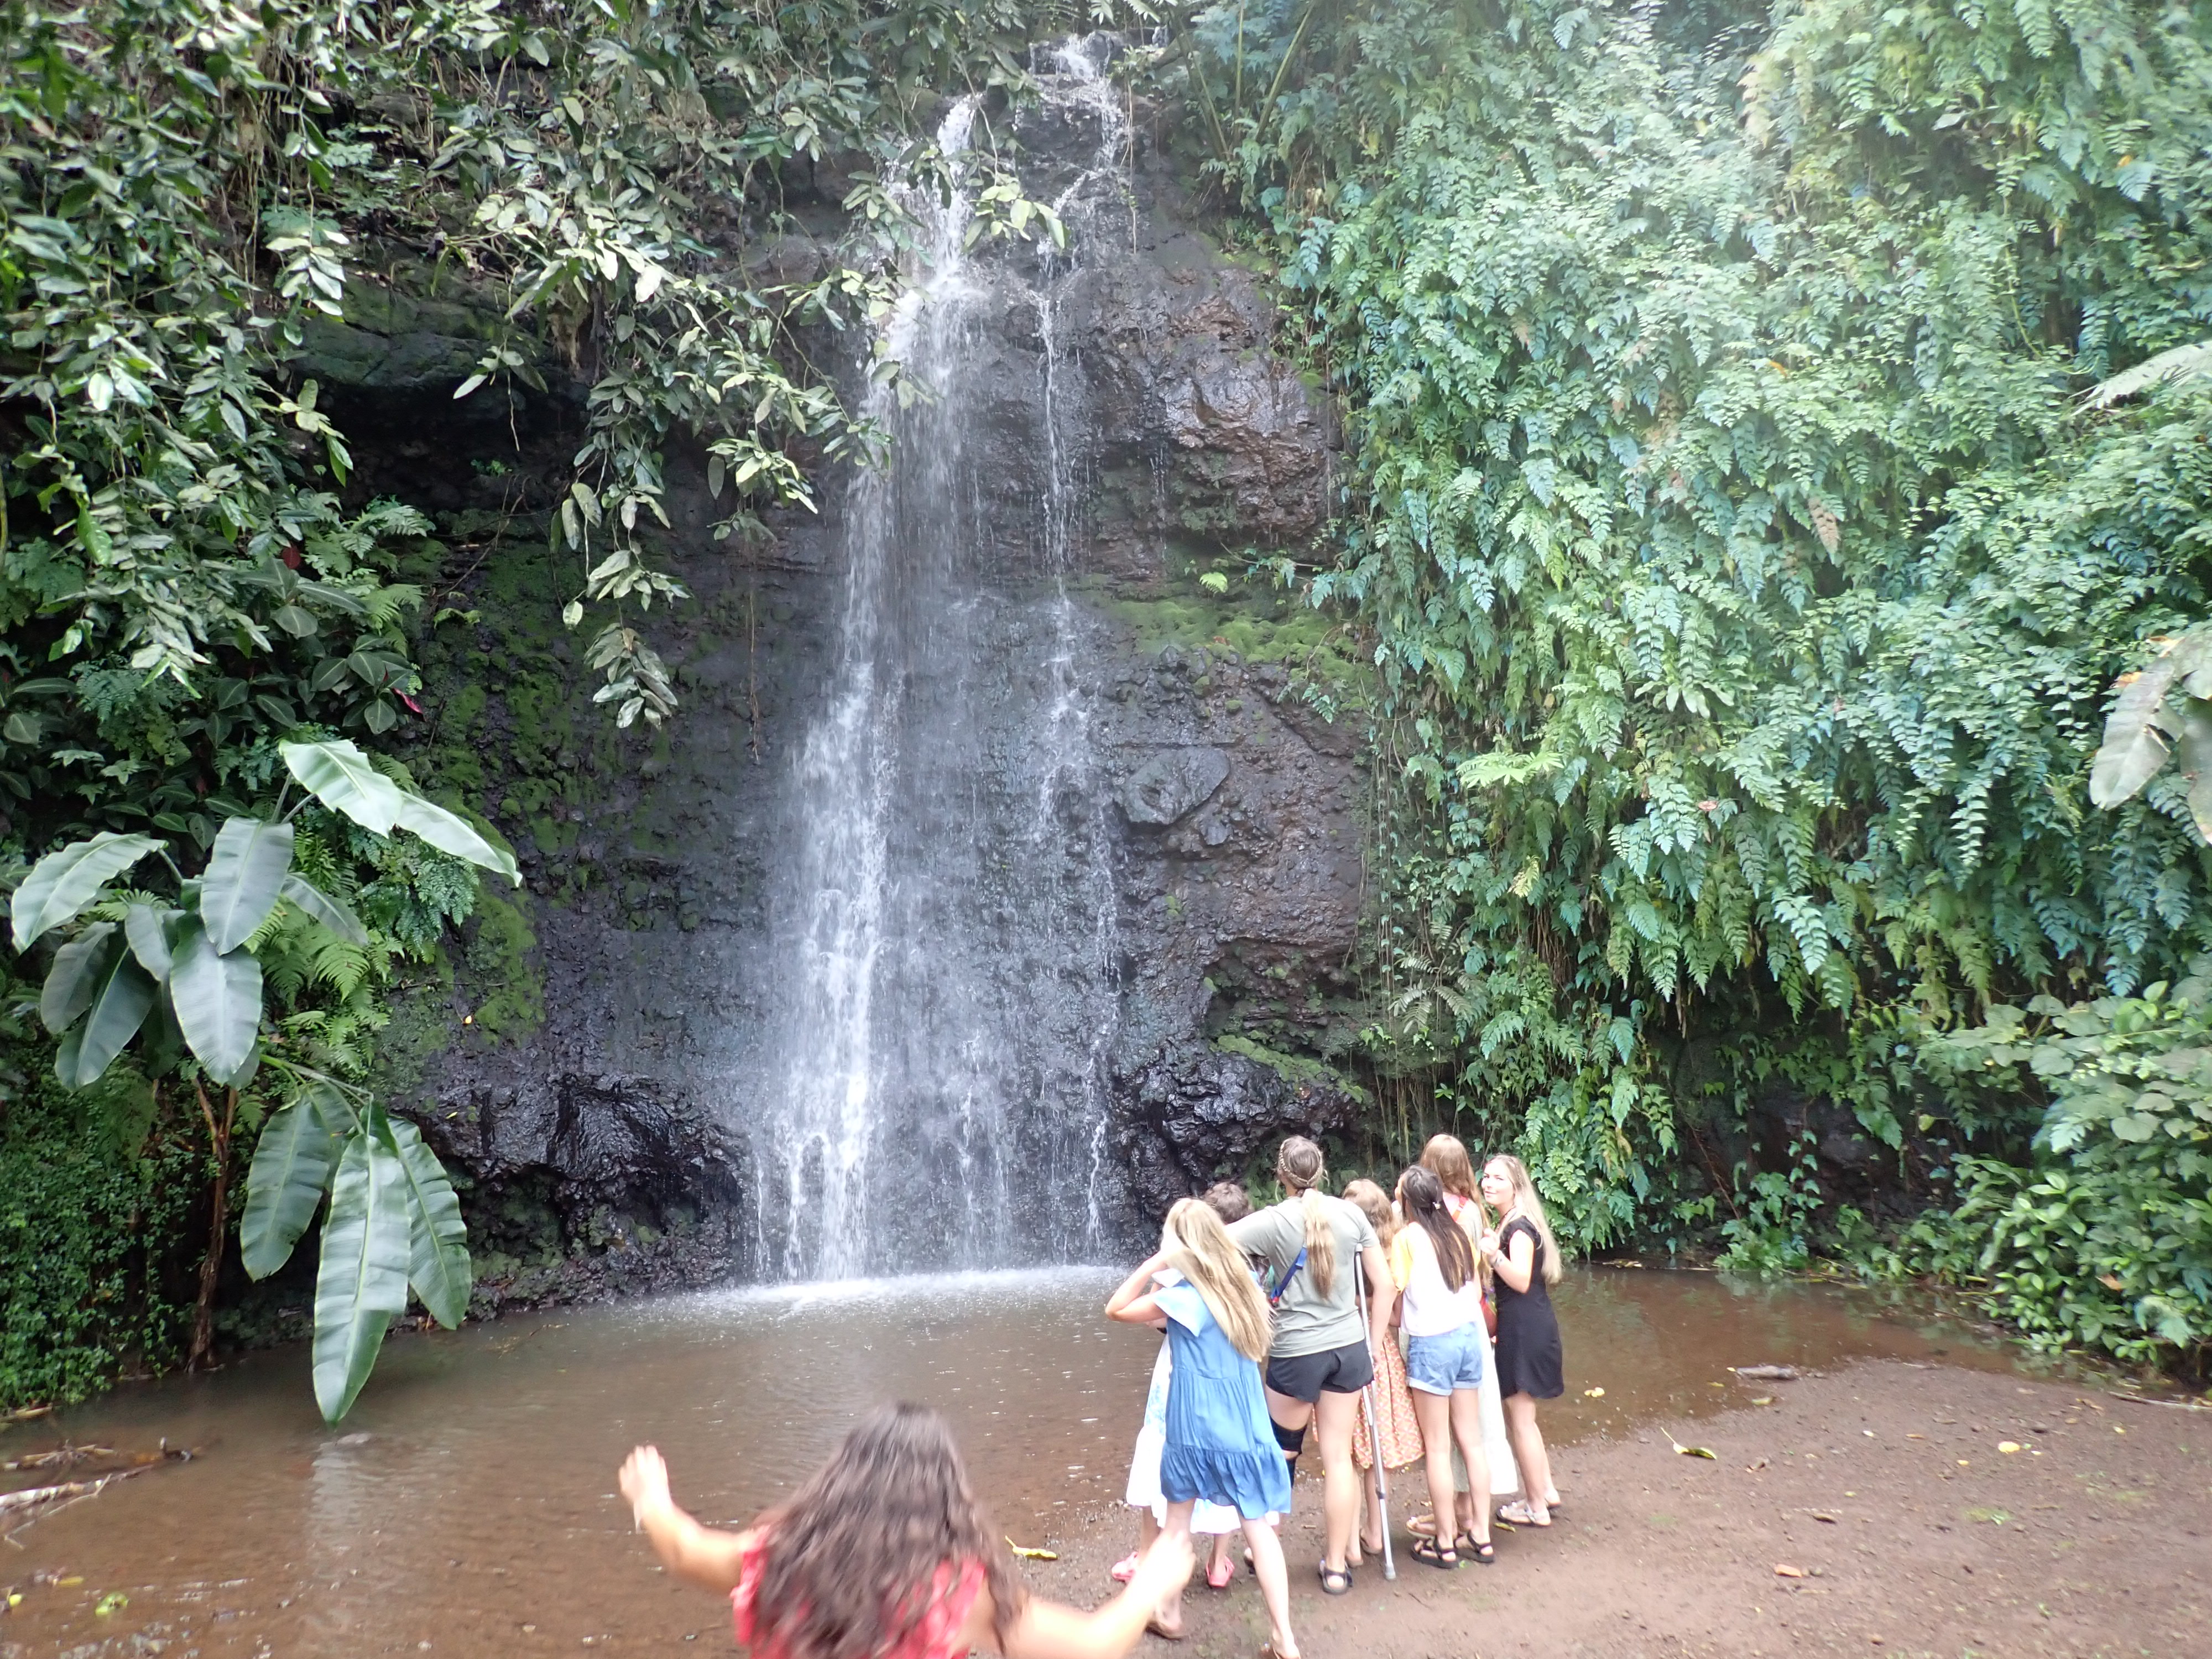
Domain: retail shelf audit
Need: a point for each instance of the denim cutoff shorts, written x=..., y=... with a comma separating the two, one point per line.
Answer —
x=1439, y=1364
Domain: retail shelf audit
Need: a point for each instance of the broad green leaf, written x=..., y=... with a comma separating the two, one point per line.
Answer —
x=244, y=874
x=360, y=1284
x=450, y=833
x=217, y=997
x=325, y=909
x=340, y=776
x=438, y=1247
x=63, y=882
x=292, y=1164
x=2132, y=751
x=118, y=1009
x=79, y=968
x=147, y=927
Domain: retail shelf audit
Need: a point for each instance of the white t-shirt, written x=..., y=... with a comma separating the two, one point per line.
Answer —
x=1431, y=1306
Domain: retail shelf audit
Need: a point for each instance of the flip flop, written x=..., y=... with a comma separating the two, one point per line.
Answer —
x=1227, y=1570
x=1518, y=1514
x=1153, y=1627
x=1124, y=1569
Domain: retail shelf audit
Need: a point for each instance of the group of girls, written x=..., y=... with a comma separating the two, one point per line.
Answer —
x=885, y=1553
x=1315, y=1288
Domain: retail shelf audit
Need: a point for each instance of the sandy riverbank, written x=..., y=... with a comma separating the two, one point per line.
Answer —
x=1883, y=1482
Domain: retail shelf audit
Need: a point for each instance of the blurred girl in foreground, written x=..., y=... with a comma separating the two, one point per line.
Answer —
x=885, y=1554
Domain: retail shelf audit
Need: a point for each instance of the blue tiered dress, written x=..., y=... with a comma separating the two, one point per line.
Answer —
x=1219, y=1444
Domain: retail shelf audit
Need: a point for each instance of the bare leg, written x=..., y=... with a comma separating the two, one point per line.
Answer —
x=1274, y=1584
x=1465, y=1407
x=1433, y=1413
x=1529, y=1451
x=1333, y=1417
x=1147, y=1530
x=1169, y=1615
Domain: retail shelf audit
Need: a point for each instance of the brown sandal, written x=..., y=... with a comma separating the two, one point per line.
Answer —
x=1153, y=1627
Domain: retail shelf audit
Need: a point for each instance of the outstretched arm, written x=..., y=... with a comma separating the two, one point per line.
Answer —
x=704, y=1556
x=1050, y=1629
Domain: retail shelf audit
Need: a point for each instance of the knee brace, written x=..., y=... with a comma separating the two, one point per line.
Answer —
x=1293, y=1441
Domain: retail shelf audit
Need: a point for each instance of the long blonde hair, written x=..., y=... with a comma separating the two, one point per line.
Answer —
x=1531, y=1209
x=1371, y=1202
x=1198, y=1247
x=1299, y=1167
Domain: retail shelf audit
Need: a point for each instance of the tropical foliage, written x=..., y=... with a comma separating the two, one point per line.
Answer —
x=1744, y=568
x=183, y=976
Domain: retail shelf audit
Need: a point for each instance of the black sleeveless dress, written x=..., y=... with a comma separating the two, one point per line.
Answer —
x=1527, y=1329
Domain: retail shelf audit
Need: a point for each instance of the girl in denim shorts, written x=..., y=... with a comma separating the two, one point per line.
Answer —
x=1433, y=1263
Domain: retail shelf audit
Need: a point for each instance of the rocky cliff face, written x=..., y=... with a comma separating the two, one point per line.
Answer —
x=600, y=1095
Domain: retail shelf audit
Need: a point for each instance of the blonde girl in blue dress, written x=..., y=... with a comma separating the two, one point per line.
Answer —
x=1219, y=1444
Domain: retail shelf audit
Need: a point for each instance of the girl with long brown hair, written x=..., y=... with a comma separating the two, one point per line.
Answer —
x=1315, y=1246
x=885, y=1554
x=1218, y=1446
x=1524, y=1263
x=1433, y=1265
x=1445, y=1156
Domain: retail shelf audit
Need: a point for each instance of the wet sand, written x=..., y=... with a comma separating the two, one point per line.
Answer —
x=467, y=1507
x=1882, y=1483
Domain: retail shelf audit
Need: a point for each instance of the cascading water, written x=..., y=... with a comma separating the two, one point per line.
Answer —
x=947, y=904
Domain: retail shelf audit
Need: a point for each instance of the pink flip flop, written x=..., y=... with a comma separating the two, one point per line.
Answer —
x=1124, y=1569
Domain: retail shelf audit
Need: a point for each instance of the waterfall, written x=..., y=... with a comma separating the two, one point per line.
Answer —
x=945, y=908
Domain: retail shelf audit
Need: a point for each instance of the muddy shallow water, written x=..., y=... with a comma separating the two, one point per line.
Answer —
x=467, y=1505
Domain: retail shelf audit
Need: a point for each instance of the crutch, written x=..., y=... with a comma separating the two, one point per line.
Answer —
x=1375, y=1439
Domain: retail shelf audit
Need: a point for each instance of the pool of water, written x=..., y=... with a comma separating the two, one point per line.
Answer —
x=468, y=1507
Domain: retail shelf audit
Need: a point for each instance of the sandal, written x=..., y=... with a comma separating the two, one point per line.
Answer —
x=1227, y=1571
x=1518, y=1514
x=1484, y=1551
x=1124, y=1569
x=1153, y=1627
x=1422, y=1525
x=1335, y=1581
x=1427, y=1551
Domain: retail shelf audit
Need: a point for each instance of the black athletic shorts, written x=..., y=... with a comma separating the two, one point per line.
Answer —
x=1334, y=1370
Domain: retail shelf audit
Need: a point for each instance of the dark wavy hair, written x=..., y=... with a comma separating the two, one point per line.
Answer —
x=1423, y=1196
x=852, y=1560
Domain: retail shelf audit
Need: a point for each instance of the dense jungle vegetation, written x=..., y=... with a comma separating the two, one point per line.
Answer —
x=1746, y=562
x=1751, y=530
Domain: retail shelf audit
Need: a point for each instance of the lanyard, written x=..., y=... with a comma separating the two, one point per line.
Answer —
x=1275, y=1296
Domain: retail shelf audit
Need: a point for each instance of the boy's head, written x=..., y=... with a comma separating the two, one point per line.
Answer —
x=1227, y=1200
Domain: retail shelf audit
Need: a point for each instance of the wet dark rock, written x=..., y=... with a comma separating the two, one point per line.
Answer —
x=1171, y=786
x=586, y=1185
x=1199, y=1115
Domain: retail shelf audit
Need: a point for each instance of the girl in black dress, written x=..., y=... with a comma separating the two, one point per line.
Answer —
x=1524, y=1262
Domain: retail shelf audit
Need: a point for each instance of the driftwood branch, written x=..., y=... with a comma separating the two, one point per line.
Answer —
x=32, y=1499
